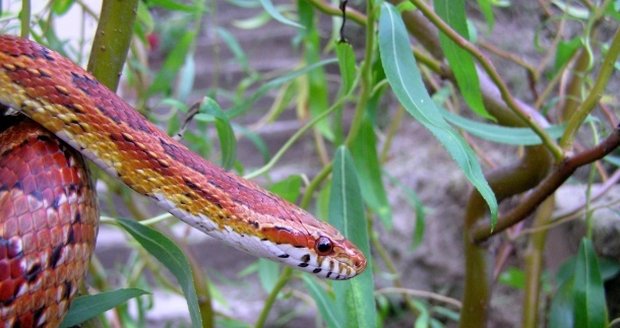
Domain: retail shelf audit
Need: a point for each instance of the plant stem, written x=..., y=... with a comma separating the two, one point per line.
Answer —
x=365, y=75
x=305, y=201
x=607, y=69
x=328, y=9
x=534, y=264
x=24, y=18
x=490, y=70
x=112, y=39
x=284, y=278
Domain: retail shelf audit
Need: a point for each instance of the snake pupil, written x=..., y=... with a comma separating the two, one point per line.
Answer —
x=323, y=245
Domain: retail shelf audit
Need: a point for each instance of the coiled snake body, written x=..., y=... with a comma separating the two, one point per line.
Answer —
x=48, y=216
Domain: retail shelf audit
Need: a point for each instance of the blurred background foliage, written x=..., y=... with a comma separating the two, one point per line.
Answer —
x=377, y=116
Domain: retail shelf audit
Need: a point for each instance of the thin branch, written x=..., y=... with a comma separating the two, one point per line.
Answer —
x=549, y=185
x=586, y=107
x=420, y=294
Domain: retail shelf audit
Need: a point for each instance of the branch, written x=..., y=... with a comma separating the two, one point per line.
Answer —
x=547, y=187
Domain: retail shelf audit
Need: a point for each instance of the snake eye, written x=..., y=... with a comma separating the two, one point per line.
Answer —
x=323, y=246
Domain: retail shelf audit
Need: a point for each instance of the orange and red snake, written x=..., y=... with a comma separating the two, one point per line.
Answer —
x=48, y=213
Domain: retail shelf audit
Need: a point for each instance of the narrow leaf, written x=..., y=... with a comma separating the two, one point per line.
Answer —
x=275, y=14
x=501, y=134
x=289, y=188
x=486, y=7
x=364, y=151
x=268, y=273
x=355, y=297
x=346, y=63
x=89, y=306
x=234, y=46
x=461, y=61
x=172, y=5
x=324, y=302
x=171, y=256
x=275, y=83
x=590, y=307
x=228, y=141
x=420, y=210
x=406, y=82
x=172, y=64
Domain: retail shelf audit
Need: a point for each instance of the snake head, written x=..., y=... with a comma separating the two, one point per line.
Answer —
x=315, y=247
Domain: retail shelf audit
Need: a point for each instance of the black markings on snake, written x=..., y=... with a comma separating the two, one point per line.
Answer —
x=34, y=271
x=38, y=314
x=306, y=258
x=56, y=202
x=75, y=109
x=68, y=290
x=71, y=236
x=55, y=257
x=302, y=265
x=283, y=256
x=317, y=270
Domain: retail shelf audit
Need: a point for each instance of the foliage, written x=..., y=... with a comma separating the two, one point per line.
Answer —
x=350, y=101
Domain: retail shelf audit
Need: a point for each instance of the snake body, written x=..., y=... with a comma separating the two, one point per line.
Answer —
x=72, y=105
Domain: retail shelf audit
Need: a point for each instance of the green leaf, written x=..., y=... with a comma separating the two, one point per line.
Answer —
x=565, y=51
x=253, y=22
x=406, y=82
x=346, y=63
x=172, y=64
x=89, y=306
x=60, y=7
x=420, y=210
x=590, y=308
x=364, y=151
x=172, y=257
x=317, y=94
x=461, y=61
x=486, y=7
x=256, y=140
x=225, y=133
x=577, y=12
x=234, y=46
x=268, y=274
x=423, y=319
x=354, y=298
x=513, y=277
x=562, y=306
x=289, y=188
x=275, y=83
x=501, y=134
x=275, y=14
x=324, y=302
x=173, y=5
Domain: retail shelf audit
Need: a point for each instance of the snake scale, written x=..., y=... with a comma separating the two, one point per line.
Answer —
x=48, y=211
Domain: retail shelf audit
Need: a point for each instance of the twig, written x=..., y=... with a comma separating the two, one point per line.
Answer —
x=561, y=173
x=421, y=294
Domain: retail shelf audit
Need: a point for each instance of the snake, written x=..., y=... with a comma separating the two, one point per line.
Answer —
x=55, y=113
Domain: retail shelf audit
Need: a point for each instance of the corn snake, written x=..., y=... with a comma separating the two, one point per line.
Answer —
x=72, y=105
